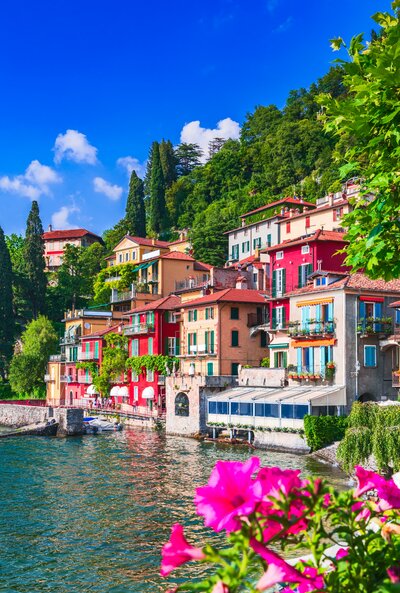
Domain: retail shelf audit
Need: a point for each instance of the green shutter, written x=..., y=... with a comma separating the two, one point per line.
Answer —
x=206, y=316
x=188, y=344
x=283, y=317
x=206, y=339
x=273, y=318
x=284, y=360
x=275, y=360
x=300, y=283
x=150, y=345
x=235, y=337
x=210, y=368
x=283, y=281
x=212, y=344
x=269, y=241
x=195, y=339
x=274, y=283
x=195, y=315
x=166, y=346
x=309, y=270
x=177, y=346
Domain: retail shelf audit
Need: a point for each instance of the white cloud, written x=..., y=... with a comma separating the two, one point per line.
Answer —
x=33, y=183
x=101, y=186
x=60, y=219
x=193, y=133
x=74, y=146
x=130, y=163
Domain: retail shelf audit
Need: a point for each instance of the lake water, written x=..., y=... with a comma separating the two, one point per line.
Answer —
x=90, y=514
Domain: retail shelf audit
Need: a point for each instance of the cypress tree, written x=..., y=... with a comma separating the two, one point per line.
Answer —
x=7, y=321
x=168, y=162
x=158, y=210
x=34, y=261
x=135, y=214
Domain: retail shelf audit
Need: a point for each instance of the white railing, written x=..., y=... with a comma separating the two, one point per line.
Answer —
x=83, y=355
x=84, y=379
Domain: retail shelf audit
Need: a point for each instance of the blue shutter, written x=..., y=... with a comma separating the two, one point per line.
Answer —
x=378, y=313
x=311, y=363
x=362, y=310
x=318, y=318
x=322, y=358
x=299, y=360
x=330, y=312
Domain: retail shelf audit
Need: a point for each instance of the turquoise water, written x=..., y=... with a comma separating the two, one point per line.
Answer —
x=90, y=514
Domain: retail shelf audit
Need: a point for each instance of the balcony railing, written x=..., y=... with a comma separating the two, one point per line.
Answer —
x=311, y=329
x=84, y=379
x=48, y=378
x=187, y=283
x=139, y=328
x=57, y=358
x=311, y=372
x=66, y=379
x=161, y=380
x=375, y=325
x=118, y=296
x=69, y=340
x=83, y=355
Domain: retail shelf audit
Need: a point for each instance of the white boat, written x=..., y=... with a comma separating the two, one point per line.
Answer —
x=94, y=425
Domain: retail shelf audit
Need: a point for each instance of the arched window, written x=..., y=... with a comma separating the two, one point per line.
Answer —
x=181, y=405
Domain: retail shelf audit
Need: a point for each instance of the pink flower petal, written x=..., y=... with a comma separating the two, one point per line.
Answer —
x=178, y=551
x=220, y=587
x=342, y=553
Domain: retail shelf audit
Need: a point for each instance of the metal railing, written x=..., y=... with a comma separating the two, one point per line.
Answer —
x=84, y=379
x=83, y=355
x=254, y=319
x=311, y=372
x=67, y=379
x=139, y=328
x=311, y=328
x=57, y=358
x=375, y=325
x=191, y=283
x=69, y=340
x=48, y=379
x=118, y=296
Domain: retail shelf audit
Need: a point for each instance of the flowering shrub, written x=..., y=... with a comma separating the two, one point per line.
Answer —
x=347, y=543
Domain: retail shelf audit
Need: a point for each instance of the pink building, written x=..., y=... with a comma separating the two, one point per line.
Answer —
x=56, y=241
x=153, y=330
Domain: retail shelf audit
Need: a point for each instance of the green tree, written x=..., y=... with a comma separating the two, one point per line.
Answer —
x=135, y=214
x=168, y=162
x=27, y=369
x=367, y=122
x=16, y=248
x=7, y=323
x=34, y=262
x=157, y=207
x=188, y=157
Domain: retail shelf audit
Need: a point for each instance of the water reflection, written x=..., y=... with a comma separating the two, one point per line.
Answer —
x=90, y=514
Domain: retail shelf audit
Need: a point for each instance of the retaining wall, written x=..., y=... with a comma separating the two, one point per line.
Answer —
x=70, y=420
x=281, y=441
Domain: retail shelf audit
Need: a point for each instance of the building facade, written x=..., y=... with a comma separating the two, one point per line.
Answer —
x=56, y=241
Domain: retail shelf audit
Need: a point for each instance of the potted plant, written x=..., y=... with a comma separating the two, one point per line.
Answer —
x=330, y=369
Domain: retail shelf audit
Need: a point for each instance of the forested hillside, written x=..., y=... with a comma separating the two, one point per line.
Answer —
x=280, y=152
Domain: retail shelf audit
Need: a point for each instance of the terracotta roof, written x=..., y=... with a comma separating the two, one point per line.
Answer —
x=319, y=235
x=146, y=242
x=358, y=282
x=180, y=241
x=232, y=295
x=102, y=332
x=395, y=304
x=166, y=303
x=68, y=234
x=320, y=209
x=248, y=226
x=177, y=255
x=288, y=200
x=201, y=266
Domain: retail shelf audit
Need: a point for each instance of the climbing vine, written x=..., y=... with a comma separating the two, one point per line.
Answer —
x=92, y=367
x=373, y=430
x=151, y=362
x=113, y=363
x=125, y=275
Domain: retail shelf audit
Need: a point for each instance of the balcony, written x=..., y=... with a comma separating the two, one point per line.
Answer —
x=83, y=355
x=312, y=373
x=85, y=379
x=71, y=340
x=255, y=319
x=311, y=329
x=189, y=283
x=48, y=379
x=66, y=379
x=119, y=296
x=139, y=328
x=381, y=326
x=161, y=380
x=57, y=358
x=201, y=350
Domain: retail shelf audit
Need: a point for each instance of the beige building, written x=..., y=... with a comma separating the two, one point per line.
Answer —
x=56, y=241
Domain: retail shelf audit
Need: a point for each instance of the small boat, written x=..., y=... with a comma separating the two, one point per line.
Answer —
x=94, y=425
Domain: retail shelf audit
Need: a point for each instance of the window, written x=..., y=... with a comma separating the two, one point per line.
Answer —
x=279, y=255
x=278, y=282
x=182, y=405
x=245, y=246
x=120, y=258
x=303, y=273
x=370, y=356
x=135, y=347
x=234, y=368
x=288, y=226
x=234, y=338
x=209, y=314
x=280, y=360
x=150, y=318
x=127, y=256
x=269, y=240
x=308, y=222
x=173, y=346
x=209, y=339
x=397, y=318
x=305, y=249
x=235, y=251
x=149, y=345
x=234, y=312
x=279, y=317
x=321, y=281
x=149, y=375
x=210, y=369
x=171, y=317
x=263, y=339
x=257, y=243
x=135, y=393
x=192, y=316
x=192, y=343
x=96, y=350
x=266, y=410
x=218, y=407
x=337, y=213
x=135, y=377
x=133, y=255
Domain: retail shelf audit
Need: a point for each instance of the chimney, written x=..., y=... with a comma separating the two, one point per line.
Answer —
x=291, y=212
x=331, y=197
x=241, y=282
x=50, y=228
x=153, y=241
x=305, y=209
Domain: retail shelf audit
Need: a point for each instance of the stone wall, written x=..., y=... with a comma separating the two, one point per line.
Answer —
x=70, y=420
x=281, y=441
x=262, y=377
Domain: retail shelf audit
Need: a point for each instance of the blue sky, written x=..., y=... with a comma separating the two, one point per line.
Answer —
x=87, y=83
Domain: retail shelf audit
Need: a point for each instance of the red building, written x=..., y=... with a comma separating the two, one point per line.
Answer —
x=154, y=330
x=292, y=262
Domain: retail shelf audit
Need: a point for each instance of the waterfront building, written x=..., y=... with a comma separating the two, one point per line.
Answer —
x=56, y=241
x=153, y=330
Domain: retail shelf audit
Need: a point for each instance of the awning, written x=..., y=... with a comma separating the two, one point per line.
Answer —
x=320, y=301
x=331, y=395
x=91, y=390
x=310, y=343
x=148, y=393
x=280, y=346
x=123, y=392
x=372, y=299
x=114, y=391
x=142, y=266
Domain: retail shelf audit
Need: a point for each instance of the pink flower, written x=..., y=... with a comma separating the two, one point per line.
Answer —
x=220, y=587
x=279, y=571
x=327, y=500
x=342, y=553
x=365, y=513
x=276, y=481
x=394, y=573
x=231, y=493
x=178, y=551
x=366, y=481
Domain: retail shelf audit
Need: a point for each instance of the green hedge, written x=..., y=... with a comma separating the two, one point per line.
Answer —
x=6, y=392
x=321, y=431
